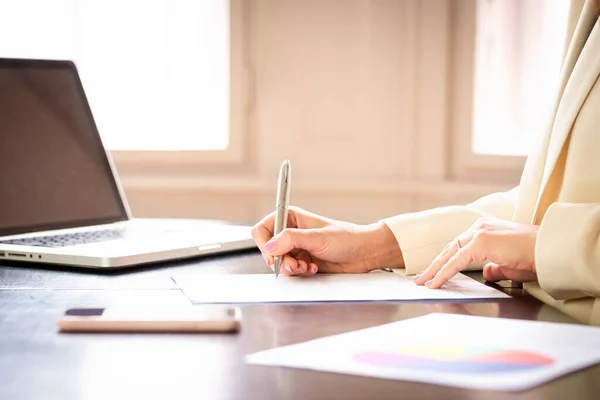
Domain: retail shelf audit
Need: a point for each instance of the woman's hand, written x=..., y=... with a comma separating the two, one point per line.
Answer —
x=508, y=248
x=313, y=243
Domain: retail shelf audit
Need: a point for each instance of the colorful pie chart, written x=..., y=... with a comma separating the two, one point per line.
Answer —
x=456, y=359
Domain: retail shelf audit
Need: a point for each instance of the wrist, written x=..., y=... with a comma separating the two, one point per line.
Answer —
x=383, y=247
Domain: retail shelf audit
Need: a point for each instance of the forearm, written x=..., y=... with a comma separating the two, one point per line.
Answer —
x=384, y=248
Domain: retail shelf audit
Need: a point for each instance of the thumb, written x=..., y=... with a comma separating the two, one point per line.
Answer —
x=493, y=272
x=292, y=238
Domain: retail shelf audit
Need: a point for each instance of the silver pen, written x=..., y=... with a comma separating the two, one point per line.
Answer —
x=282, y=204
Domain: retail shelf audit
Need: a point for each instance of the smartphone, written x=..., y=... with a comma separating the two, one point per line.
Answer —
x=176, y=319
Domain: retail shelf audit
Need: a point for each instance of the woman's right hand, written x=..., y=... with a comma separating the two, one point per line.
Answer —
x=312, y=243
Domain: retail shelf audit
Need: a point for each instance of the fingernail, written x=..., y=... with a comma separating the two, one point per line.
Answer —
x=270, y=246
x=288, y=268
x=299, y=268
x=313, y=269
x=417, y=276
x=429, y=282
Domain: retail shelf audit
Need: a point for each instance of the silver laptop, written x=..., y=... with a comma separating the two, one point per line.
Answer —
x=60, y=199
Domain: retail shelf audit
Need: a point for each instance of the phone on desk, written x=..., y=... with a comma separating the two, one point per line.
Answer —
x=177, y=319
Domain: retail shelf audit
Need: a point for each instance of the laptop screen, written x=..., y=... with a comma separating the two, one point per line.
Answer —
x=53, y=169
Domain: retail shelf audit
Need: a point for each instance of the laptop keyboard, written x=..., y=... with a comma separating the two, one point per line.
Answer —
x=70, y=239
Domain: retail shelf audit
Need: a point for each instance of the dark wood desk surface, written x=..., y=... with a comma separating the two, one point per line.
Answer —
x=36, y=362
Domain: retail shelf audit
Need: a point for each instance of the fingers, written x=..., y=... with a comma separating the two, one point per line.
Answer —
x=519, y=275
x=262, y=232
x=302, y=255
x=289, y=266
x=309, y=268
x=435, y=266
x=290, y=239
x=508, y=248
x=493, y=273
x=459, y=261
x=292, y=266
x=297, y=263
x=448, y=252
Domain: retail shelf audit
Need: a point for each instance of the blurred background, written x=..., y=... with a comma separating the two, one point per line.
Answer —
x=382, y=106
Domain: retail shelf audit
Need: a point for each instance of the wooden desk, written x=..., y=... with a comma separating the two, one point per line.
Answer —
x=38, y=363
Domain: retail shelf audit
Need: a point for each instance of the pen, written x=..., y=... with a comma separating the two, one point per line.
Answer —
x=281, y=206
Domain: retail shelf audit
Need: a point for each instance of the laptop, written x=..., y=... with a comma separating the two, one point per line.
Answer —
x=60, y=198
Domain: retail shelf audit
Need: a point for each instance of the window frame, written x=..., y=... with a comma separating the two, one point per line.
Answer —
x=236, y=155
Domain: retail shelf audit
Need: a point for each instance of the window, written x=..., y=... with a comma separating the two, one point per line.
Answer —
x=156, y=72
x=519, y=46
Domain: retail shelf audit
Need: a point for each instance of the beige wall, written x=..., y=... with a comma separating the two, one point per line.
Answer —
x=362, y=96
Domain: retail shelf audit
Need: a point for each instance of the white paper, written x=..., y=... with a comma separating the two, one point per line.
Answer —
x=375, y=286
x=447, y=349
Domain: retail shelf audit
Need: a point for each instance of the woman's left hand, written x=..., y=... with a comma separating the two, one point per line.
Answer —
x=507, y=247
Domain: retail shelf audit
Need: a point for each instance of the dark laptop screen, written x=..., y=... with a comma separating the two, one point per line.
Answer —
x=53, y=169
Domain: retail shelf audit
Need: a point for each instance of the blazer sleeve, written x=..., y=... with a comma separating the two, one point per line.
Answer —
x=567, y=252
x=422, y=235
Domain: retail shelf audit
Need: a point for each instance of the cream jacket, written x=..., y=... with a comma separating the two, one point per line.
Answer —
x=559, y=191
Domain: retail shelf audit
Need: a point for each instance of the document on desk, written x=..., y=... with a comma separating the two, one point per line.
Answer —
x=450, y=350
x=374, y=286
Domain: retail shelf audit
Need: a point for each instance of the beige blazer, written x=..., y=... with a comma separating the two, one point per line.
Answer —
x=559, y=190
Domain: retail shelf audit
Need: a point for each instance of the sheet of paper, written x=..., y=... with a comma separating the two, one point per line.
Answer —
x=379, y=285
x=450, y=350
